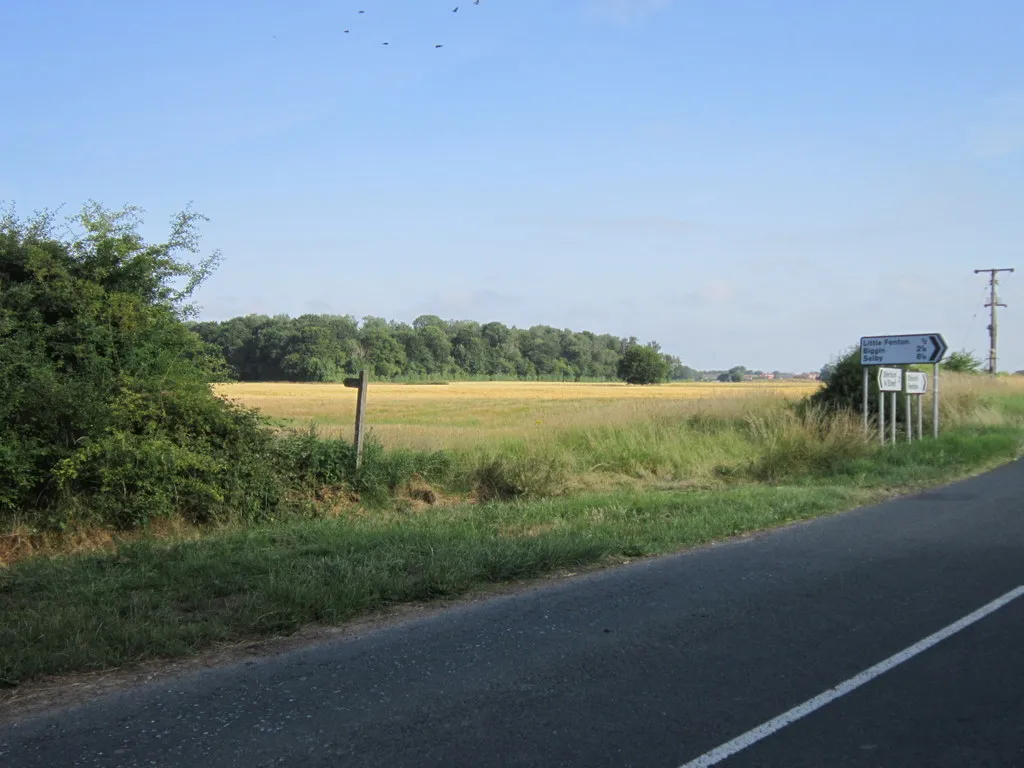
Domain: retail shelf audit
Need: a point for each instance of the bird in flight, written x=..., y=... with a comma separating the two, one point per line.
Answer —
x=455, y=9
x=439, y=45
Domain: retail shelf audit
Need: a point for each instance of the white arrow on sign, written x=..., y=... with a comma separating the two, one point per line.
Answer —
x=917, y=383
x=890, y=379
x=902, y=350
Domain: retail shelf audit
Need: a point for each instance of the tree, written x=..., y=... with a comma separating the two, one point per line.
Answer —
x=961, y=362
x=105, y=407
x=326, y=347
x=642, y=365
x=381, y=352
x=679, y=372
x=845, y=385
x=737, y=373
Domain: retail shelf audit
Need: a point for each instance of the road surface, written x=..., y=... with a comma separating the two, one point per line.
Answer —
x=690, y=660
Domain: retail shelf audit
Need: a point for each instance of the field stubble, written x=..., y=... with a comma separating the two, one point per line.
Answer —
x=464, y=415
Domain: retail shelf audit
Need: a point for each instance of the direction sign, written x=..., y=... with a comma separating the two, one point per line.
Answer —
x=917, y=383
x=890, y=379
x=902, y=350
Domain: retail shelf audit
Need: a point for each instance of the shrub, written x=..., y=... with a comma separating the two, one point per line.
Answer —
x=845, y=386
x=642, y=365
x=961, y=362
x=105, y=409
x=315, y=463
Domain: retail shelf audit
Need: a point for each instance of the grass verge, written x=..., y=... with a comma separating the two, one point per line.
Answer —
x=160, y=599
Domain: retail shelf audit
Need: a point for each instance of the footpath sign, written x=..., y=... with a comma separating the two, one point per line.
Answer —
x=360, y=383
x=905, y=349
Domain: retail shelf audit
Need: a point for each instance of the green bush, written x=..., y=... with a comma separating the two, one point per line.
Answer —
x=642, y=365
x=314, y=463
x=106, y=415
x=961, y=362
x=845, y=386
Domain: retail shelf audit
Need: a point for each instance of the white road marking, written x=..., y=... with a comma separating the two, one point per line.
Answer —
x=754, y=735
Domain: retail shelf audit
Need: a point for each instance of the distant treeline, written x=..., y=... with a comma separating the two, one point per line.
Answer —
x=329, y=347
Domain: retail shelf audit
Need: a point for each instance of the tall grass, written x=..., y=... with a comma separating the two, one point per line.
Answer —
x=596, y=445
x=763, y=440
x=687, y=475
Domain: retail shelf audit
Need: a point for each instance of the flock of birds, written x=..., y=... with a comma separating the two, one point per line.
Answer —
x=436, y=45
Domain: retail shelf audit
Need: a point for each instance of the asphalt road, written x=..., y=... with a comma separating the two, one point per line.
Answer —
x=651, y=664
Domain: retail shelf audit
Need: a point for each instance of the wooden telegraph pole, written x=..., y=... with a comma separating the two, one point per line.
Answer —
x=993, y=302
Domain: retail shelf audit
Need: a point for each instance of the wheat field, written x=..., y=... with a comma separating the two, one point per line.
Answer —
x=464, y=414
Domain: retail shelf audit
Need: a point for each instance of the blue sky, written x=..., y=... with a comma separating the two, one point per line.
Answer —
x=748, y=182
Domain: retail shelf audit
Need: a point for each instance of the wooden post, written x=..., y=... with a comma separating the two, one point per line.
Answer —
x=360, y=384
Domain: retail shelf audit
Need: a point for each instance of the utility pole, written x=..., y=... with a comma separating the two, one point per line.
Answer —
x=993, y=302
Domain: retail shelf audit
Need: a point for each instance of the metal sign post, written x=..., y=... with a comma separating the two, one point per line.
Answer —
x=889, y=380
x=909, y=416
x=864, y=403
x=892, y=416
x=881, y=417
x=912, y=349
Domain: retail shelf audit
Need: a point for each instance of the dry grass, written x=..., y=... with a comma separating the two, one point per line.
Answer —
x=979, y=400
x=466, y=414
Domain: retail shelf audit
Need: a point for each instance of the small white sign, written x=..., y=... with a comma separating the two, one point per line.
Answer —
x=917, y=382
x=890, y=379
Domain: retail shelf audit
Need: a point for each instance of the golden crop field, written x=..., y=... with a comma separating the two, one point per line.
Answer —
x=467, y=413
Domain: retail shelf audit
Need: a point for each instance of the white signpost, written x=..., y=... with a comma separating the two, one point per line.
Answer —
x=917, y=382
x=889, y=380
x=917, y=386
x=908, y=349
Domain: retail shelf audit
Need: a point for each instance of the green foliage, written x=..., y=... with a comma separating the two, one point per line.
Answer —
x=961, y=362
x=105, y=409
x=845, y=385
x=679, y=372
x=328, y=348
x=154, y=598
x=642, y=365
x=315, y=463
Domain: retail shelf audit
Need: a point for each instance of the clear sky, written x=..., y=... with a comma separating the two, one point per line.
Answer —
x=748, y=182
